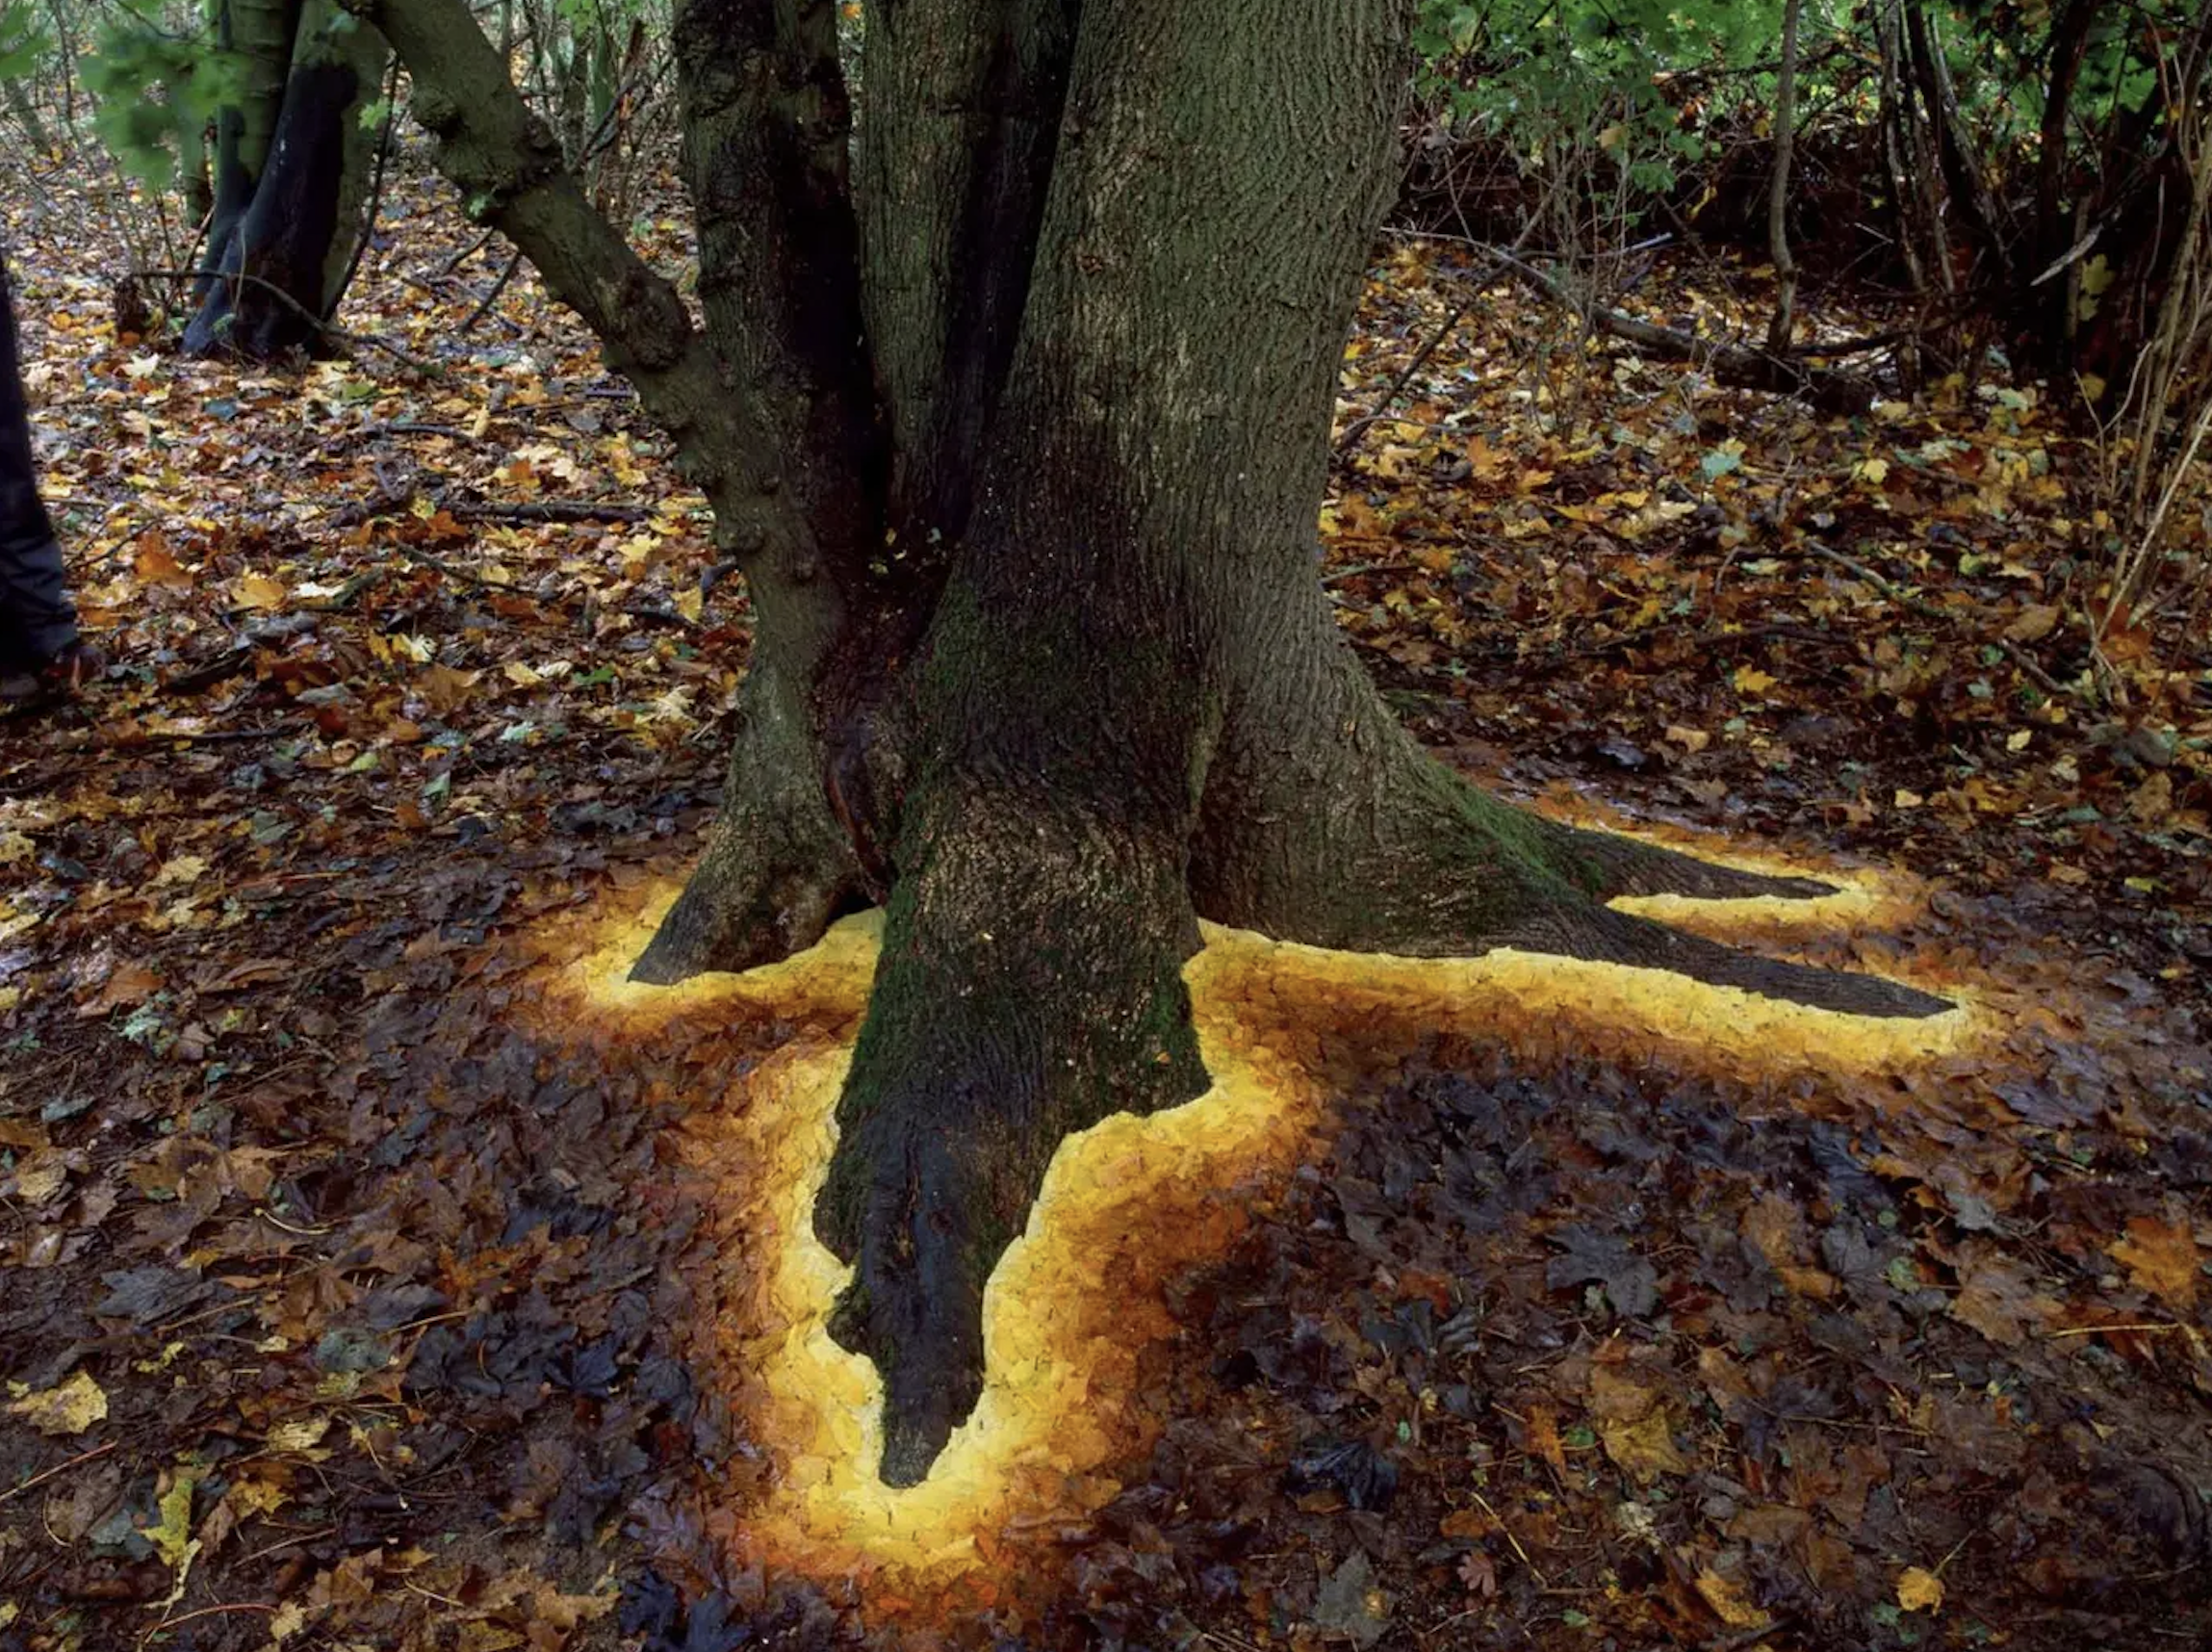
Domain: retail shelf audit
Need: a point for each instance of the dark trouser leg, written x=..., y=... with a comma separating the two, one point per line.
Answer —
x=37, y=618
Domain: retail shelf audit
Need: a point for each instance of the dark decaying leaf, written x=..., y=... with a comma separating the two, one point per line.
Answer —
x=1364, y=1478
x=1588, y=1256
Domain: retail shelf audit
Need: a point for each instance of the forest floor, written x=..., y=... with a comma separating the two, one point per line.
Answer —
x=354, y=1299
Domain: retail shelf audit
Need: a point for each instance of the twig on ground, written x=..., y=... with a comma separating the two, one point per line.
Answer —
x=343, y=335
x=484, y=305
x=63, y=1467
x=2033, y=672
x=1828, y=388
x=220, y=669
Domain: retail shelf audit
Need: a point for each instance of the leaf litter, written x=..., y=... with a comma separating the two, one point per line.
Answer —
x=390, y=1294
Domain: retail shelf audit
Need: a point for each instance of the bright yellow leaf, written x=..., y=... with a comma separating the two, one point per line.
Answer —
x=70, y=1408
x=1750, y=680
x=1919, y=1590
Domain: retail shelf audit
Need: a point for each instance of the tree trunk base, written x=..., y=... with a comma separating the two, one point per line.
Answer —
x=1030, y=981
x=1011, y=1009
x=777, y=870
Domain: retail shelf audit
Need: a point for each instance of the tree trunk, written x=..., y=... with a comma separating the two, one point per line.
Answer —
x=1021, y=459
x=27, y=115
x=258, y=35
x=1779, y=330
x=285, y=219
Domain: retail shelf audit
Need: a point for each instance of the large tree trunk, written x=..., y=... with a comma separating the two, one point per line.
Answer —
x=1022, y=459
x=291, y=179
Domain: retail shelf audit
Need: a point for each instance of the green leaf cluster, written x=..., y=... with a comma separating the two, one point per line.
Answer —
x=25, y=40
x=151, y=86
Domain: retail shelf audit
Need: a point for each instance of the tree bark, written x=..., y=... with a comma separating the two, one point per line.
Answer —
x=259, y=35
x=777, y=867
x=1021, y=459
x=290, y=199
x=1779, y=330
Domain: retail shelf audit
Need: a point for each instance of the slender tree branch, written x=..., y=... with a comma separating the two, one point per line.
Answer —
x=328, y=330
x=1826, y=388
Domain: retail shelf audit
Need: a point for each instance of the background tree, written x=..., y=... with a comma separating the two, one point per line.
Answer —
x=1014, y=409
x=292, y=169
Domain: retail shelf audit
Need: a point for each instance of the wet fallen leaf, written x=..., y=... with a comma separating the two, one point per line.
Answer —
x=1729, y=1600
x=69, y=1409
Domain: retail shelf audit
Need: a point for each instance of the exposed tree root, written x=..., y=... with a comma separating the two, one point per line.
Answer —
x=775, y=872
x=1602, y=934
x=1327, y=824
x=1610, y=866
x=1030, y=985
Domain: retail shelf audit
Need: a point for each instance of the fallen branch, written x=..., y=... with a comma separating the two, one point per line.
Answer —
x=1828, y=388
x=391, y=501
x=637, y=610
x=549, y=510
x=328, y=330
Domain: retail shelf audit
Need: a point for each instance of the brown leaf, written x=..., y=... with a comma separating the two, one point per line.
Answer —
x=443, y=687
x=155, y=565
x=1730, y=1601
x=1544, y=1436
x=2160, y=1258
x=131, y=985
x=1617, y=1396
x=1479, y=1573
x=1645, y=1449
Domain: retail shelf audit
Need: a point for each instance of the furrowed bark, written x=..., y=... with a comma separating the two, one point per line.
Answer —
x=964, y=102
x=1325, y=823
x=766, y=134
x=776, y=868
x=1160, y=456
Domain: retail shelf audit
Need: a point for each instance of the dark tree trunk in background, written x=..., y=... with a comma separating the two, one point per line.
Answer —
x=1021, y=451
x=1783, y=324
x=291, y=178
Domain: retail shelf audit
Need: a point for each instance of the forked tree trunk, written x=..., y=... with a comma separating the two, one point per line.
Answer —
x=291, y=179
x=1022, y=461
